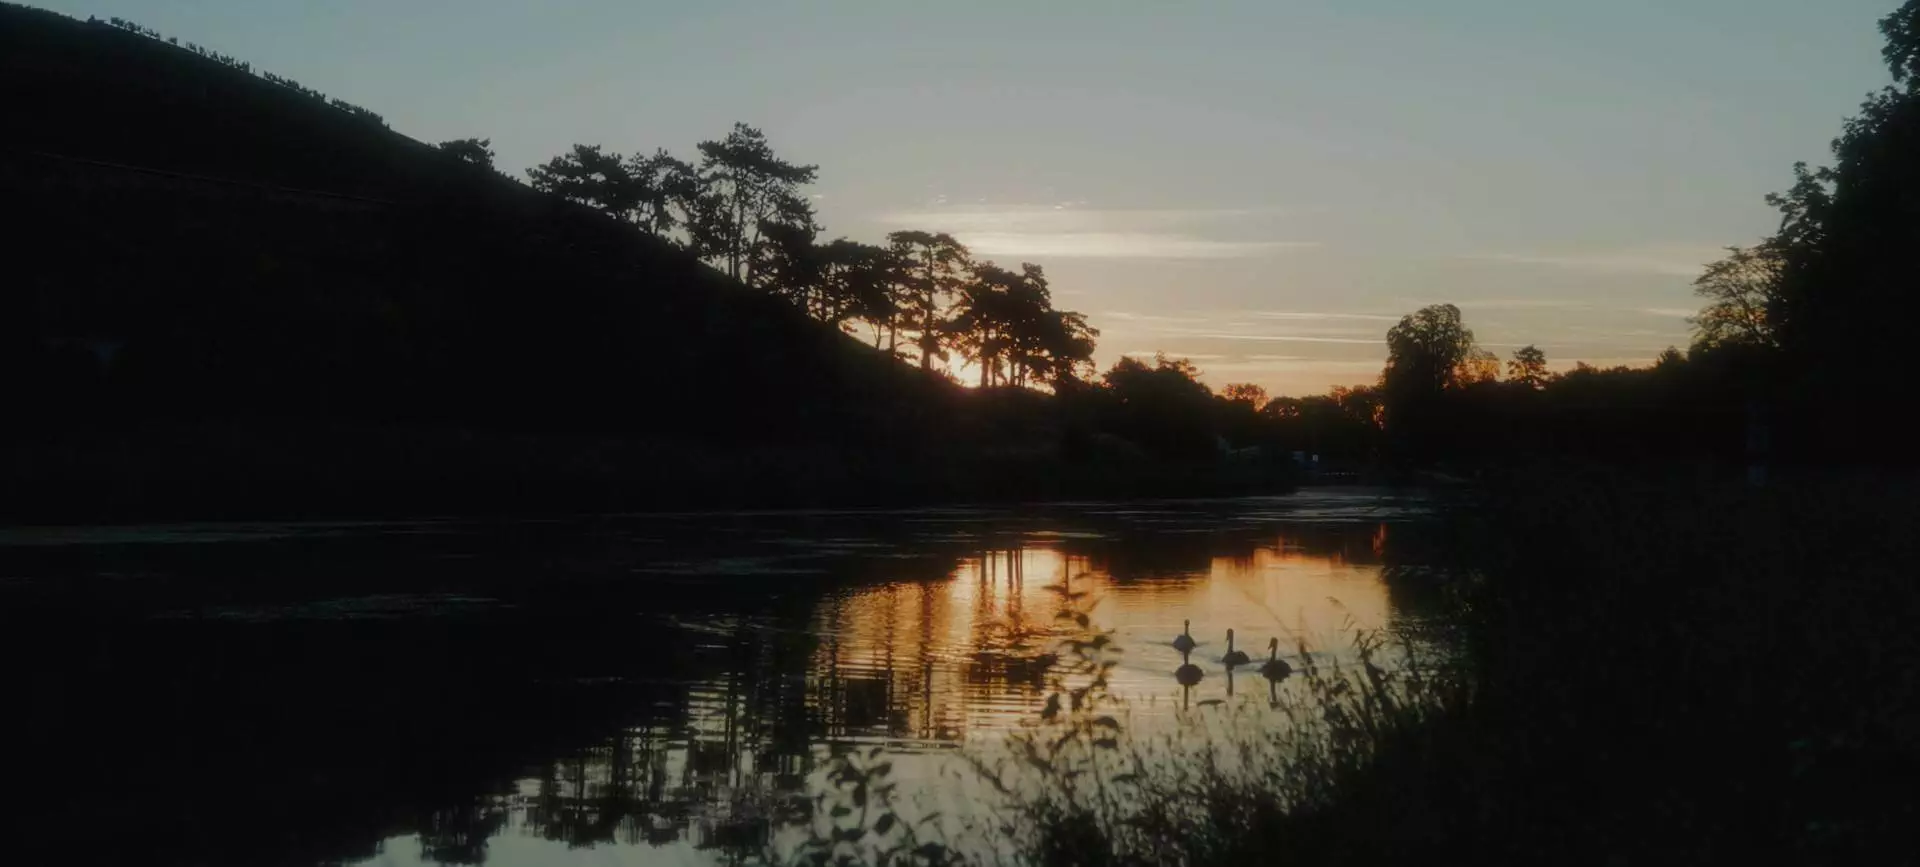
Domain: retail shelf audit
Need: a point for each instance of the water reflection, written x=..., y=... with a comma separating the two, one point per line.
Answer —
x=646, y=690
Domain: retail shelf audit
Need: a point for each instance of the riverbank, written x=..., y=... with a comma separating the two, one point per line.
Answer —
x=1659, y=672
x=252, y=470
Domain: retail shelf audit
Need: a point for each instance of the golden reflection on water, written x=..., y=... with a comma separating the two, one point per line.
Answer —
x=967, y=656
x=923, y=659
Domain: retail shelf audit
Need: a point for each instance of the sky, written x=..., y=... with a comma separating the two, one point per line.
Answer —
x=1263, y=187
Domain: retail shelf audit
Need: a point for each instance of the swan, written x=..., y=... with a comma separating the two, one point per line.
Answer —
x=1185, y=642
x=1234, y=657
x=1275, y=668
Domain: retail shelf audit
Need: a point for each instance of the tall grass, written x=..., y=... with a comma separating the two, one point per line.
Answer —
x=1080, y=785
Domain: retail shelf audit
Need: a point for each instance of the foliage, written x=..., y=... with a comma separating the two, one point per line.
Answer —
x=1426, y=352
x=934, y=268
x=1739, y=290
x=1163, y=407
x=1529, y=368
x=1480, y=366
x=655, y=192
x=1245, y=392
x=1842, y=300
x=745, y=190
x=478, y=151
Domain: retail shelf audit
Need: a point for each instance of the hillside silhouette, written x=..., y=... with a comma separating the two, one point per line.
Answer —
x=235, y=247
x=197, y=243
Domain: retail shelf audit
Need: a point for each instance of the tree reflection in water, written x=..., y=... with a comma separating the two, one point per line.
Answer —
x=646, y=695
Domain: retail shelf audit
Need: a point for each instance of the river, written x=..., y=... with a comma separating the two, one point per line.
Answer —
x=612, y=690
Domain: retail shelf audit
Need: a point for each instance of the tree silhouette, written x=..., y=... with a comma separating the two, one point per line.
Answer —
x=1026, y=319
x=746, y=188
x=1069, y=342
x=1480, y=365
x=668, y=190
x=1528, y=368
x=854, y=278
x=1246, y=393
x=1843, y=300
x=1163, y=407
x=1427, y=352
x=1739, y=290
x=791, y=264
x=1006, y=323
x=934, y=268
x=985, y=317
x=478, y=151
x=656, y=193
x=1902, y=52
x=588, y=174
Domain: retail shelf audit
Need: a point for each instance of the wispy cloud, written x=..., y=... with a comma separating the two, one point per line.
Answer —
x=1671, y=312
x=1303, y=316
x=1255, y=324
x=1287, y=364
x=1129, y=316
x=1062, y=231
x=1674, y=260
x=1274, y=338
x=1119, y=245
x=1150, y=353
x=1524, y=304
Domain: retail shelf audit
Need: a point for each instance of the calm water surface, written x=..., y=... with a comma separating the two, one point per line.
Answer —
x=614, y=690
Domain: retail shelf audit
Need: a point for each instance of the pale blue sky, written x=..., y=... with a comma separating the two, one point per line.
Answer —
x=1262, y=186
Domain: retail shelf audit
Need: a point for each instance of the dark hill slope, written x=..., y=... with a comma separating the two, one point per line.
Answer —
x=190, y=241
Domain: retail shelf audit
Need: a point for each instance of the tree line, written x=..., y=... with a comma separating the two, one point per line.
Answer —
x=923, y=297
x=243, y=66
x=919, y=295
x=1799, y=348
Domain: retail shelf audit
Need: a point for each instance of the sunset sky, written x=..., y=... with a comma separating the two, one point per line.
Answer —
x=1263, y=187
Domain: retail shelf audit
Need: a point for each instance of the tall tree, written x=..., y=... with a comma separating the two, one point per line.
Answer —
x=1846, y=301
x=986, y=315
x=1005, y=322
x=1739, y=291
x=1069, y=342
x=745, y=189
x=1053, y=345
x=934, y=267
x=590, y=175
x=1426, y=351
x=853, y=282
x=1427, y=354
x=668, y=191
x=791, y=264
x=1528, y=367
